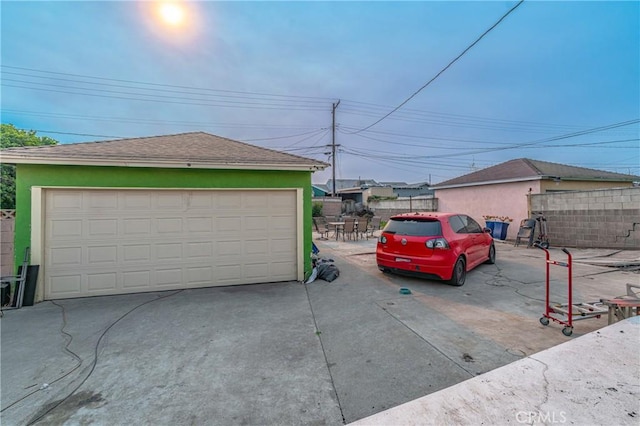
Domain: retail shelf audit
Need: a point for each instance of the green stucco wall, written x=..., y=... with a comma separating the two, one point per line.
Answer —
x=29, y=175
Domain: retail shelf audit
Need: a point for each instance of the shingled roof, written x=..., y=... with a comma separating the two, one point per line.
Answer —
x=523, y=169
x=195, y=150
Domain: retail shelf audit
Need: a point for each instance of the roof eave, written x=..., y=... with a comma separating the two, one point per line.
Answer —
x=487, y=182
x=185, y=164
x=532, y=178
x=590, y=179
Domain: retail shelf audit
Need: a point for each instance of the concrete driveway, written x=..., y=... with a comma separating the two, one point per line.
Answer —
x=285, y=353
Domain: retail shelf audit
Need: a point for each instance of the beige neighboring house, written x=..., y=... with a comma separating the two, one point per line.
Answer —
x=503, y=189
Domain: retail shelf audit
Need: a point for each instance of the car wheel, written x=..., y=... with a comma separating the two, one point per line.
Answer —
x=492, y=255
x=459, y=273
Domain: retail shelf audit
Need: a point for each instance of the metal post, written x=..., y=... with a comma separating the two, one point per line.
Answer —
x=333, y=148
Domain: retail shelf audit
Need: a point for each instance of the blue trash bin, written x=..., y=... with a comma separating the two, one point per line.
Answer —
x=500, y=230
x=491, y=225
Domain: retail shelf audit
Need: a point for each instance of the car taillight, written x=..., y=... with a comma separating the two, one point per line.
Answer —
x=383, y=239
x=437, y=243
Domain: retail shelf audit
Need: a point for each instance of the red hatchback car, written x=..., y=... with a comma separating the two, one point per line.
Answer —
x=443, y=246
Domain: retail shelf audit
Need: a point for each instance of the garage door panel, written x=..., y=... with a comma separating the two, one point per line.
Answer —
x=134, y=280
x=228, y=201
x=136, y=253
x=102, y=282
x=199, y=224
x=282, y=202
x=170, y=200
x=170, y=225
x=136, y=200
x=199, y=275
x=283, y=247
x=253, y=201
x=102, y=255
x=253, y=247
x=65, y=257
x=229, y=248
x=169, y=252
x=63, y=285
x=199, y=200
x=228, y=224
x=101, y=201
x=100, y=242
x=168, y=277
x=228, y=274
x=67, y=201
x=199, y=250
x=65, y=229
x=282, y=269
x=102, y=228
x=256, y=224
x=136, y=226
x=253, y=271
x=282, y=223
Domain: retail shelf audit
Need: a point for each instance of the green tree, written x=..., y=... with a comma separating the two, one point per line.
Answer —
x=316, y=209
x=11, y=137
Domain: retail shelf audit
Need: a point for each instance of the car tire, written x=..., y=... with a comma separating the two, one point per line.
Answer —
x=459, y=275
x=492, y=255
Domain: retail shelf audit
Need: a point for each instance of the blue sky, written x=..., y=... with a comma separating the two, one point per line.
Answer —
x=267, y=73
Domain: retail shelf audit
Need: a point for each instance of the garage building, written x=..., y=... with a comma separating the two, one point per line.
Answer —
x=161, y=213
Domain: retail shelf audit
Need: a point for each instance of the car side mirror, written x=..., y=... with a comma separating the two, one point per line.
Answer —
x=487, y=230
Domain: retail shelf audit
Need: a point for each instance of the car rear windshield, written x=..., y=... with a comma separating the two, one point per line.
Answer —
x=414, y=228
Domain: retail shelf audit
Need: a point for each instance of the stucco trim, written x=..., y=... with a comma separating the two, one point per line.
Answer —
x=300, y=233
x=15, y=159
x=37, y=238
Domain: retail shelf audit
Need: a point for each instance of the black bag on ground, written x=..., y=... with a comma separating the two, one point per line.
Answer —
x=328, y=271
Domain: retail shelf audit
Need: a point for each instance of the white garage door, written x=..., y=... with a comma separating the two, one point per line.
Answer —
x=100, y=242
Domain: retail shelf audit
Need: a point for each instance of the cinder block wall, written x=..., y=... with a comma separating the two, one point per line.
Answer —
x=387, y=208
x=7, y=232
x=607, y=218
x=330, y=206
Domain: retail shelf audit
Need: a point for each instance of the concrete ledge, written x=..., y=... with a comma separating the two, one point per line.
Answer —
x=593, y=379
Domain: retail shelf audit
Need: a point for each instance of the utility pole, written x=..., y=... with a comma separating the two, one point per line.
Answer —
x=333, y=148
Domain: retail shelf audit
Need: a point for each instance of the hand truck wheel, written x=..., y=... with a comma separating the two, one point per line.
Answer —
x=544, y=320
x=567, y=331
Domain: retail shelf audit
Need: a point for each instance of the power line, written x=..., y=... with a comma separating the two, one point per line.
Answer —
x=81, y=134
x=312, y=133
x=150, y=121
x=319, y=99
x=377, y=108
x=445, y=68
x=527, y=144
x=458, y=123
x=167, y=99
x=155, y=92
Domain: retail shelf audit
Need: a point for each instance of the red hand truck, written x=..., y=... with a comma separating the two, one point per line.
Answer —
x=573, y=311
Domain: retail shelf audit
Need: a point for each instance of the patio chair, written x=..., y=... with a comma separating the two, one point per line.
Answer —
x=363, y=227
x=322, y=227
x=374, y=225
x=349, y=228
x=18, y=282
